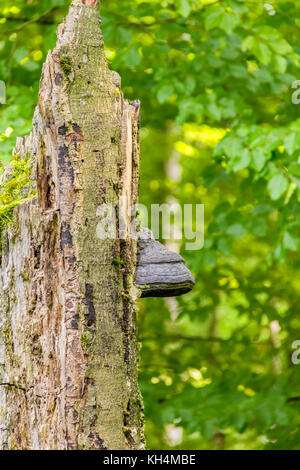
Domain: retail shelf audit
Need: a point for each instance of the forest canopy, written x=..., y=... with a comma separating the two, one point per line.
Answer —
x=220, y=126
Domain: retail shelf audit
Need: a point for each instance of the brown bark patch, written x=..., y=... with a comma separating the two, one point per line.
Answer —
x=89, y=2
x=75, y=137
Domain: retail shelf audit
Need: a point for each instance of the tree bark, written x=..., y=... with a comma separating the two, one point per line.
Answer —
x=68, y=348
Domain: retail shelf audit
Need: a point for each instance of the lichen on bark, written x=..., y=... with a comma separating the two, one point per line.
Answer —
x=68, y=349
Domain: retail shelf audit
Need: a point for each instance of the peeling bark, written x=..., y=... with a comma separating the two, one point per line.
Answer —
x=68, y=349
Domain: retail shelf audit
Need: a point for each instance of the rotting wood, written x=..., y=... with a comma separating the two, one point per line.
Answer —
x=68, y=350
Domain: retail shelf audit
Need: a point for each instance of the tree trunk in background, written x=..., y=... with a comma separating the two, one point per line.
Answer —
x=68, y=349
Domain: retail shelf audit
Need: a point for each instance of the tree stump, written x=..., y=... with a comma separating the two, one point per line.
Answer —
x=68, y=348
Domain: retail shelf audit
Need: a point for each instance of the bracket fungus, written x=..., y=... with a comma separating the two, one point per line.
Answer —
x=160, y=271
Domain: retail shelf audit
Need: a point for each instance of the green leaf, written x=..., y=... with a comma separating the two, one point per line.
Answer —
x=188, y=107
x=229, y=22
x=280, y=63
x=125, y=35
x=258, y=227
x=294, y=169
x=287, y=78
x=225, y=245
x=184, y=7
x=259, y=158
x=277, y=186
x=248, y=43
x=290, y=242
x=190, y=84
x=281, y=46
x=292, y=142
x=210, y=258
x=239, y=71
x=239, y=162
x=214, y=111
x=238, y=6
x=30, y=65
x=133, y=57
x=262, y=52
x=165, y=92
x=279, y=253
x=236, y=231
x=263, y=209
x=232, y=146
x=213, y=19
x=20, y=54
x=208, y=429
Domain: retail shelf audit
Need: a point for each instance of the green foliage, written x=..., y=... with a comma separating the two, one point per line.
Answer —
x=215, y=81
x=15, y=188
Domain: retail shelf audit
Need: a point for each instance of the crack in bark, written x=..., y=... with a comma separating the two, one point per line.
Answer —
x=16, y=386
x=27, y=390
x=89, y=302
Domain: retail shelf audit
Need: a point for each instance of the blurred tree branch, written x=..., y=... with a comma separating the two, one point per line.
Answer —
x=200, y=338
x=42, y=19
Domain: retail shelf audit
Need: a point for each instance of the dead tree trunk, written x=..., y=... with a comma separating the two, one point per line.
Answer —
x=68, y=349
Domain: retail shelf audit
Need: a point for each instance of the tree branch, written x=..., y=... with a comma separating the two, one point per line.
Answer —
x=200, y=338
x=40, y=19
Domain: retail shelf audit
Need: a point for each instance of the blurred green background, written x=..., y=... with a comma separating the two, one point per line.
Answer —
x=218, y=128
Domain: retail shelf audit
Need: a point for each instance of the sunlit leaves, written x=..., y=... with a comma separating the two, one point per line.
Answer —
x=225, y=245
x=292, y=142
x=277, y=186
x=229, y=22
x=236, y=231
x=213, y=18
x=290, y=242
x=262, y=52
x=184, y=7
x=188, y=108
x=164, y=92
x=241, y=161
x=132, y=57
x=259, y=157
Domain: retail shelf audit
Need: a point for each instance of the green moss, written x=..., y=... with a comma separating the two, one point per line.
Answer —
x=118, y=262
x=86, y=340
x=15, y=189
x=66, y=65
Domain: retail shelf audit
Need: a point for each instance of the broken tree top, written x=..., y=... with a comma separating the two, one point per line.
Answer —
x=86, y=2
